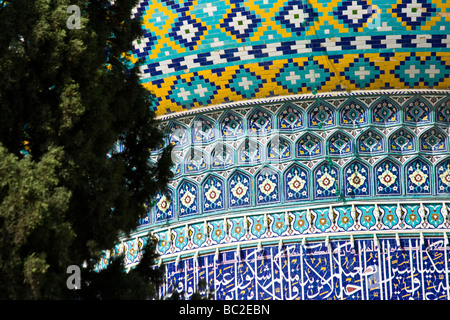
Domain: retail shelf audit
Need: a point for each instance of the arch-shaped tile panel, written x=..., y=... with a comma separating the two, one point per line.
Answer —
x=203, y=130
x=213, y=193
x=388, y=178
x=290, y=118
x=417, y=111
x=353, y=113
x=385, y=112
x=309, y=146
x=267, y=186
x=357, y=179
x=188, y=198
x=402, y=141
x=433, y=140
x=250, y=152
x=259, y=122
x=231, y=125
x=418, y=177
x=240, y=185
x=279, y=149
x=321, y=115
x=326, y=181
x=443, y=177
x=195, y=160
x=370, y=142
x=340, y=144
x=222, y=156
x=164, y=208
x=297, y=183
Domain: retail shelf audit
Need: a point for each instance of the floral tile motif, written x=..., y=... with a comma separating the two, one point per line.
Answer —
x=259, y=225
x=267, y=186
x=388, y=179
x=417, y=111
x=250, y=152
x=164, y=241
x=199, y=234
x=222, y=156
x=297, y=183
x=279, y=225
x=433, y=140
x=237, y=228
x=218, y=231
x=412, y=216
x=435, y=217
x=300, y=223
x=260, y=122
x=195, y=161
x=164, y=207
x=390, y=216
x=188, y=198
x=203, y=130
x=178, y=134
x=323, y=219
x=327, y=181
x=443, y=112
x=443, y=177
x=357, y=179
x=181, y=238
x=239, y=186
x=367, y=218
x=344, y=219
x=418, y=178
x=213, y=194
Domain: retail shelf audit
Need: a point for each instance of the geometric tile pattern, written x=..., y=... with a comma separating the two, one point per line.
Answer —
x=200, y=53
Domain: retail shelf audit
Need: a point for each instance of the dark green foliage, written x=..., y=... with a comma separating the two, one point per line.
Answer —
x=66, y=98
x=115, y=284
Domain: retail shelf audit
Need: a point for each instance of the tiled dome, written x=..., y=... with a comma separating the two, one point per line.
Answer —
x=303, y=131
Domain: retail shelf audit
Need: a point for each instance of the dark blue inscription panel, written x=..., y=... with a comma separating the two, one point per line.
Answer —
x=319, y=272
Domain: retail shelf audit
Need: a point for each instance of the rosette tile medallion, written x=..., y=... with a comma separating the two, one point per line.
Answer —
x=311, y=147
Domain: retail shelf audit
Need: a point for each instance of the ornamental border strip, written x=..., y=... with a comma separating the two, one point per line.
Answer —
x=343, y=223
x=305, y=96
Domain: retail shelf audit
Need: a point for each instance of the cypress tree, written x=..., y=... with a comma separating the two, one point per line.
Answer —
x=76, y=130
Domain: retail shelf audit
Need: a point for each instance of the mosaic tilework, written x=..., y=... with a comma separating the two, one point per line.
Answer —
x=198, y=52
x=294, y=224
x=303, y=151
